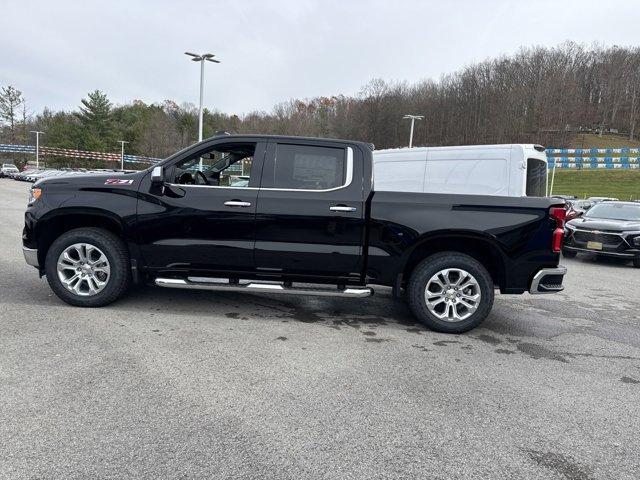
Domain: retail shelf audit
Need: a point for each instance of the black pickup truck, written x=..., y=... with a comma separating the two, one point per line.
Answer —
x=289, y=215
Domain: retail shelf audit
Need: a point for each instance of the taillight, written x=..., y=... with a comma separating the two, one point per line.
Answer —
x=559, y=214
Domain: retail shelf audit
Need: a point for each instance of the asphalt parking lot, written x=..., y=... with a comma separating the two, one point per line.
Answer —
x=181, y=384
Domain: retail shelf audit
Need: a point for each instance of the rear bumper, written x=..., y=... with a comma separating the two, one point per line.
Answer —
x=548, y=280
x=31, y=256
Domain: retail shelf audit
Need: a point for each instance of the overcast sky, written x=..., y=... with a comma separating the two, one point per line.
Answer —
x=272, y=50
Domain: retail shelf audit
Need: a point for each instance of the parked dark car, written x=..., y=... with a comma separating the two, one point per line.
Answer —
x=609, y=228
x=307, y=215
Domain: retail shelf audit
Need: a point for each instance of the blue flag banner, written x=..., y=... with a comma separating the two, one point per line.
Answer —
x=593, y=158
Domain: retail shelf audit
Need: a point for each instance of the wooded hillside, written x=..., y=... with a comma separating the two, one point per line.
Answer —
x=540, y=95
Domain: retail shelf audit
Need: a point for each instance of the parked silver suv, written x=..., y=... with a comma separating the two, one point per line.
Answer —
x=7, y=169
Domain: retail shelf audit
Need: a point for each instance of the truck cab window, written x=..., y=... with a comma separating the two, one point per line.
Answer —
x=305, y=167
x=227, y=165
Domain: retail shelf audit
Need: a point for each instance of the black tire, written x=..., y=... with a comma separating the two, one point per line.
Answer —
x=636, y=262
x=114, y=249
x=427, y=269
x=569, y=253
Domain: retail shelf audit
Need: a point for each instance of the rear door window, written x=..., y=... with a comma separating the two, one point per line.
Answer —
x=304, y=167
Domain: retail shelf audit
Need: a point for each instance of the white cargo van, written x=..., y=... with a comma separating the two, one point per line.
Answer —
x=506, y=170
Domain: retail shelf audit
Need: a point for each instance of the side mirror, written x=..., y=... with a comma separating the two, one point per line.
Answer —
x=157, y=176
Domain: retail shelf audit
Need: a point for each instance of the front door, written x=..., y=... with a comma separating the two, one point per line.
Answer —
x=310, y=215
x=204, y=217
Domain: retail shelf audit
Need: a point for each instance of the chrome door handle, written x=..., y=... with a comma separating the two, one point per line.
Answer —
x=342, y=208
x=237, y=203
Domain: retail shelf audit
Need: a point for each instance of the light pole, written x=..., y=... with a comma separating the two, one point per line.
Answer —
x=122, y=142
x=37, y=146
x=201, y=58
x=413, y=118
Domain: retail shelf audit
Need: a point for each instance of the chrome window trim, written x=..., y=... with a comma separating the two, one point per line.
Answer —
x=209, y=186
x=348, y=181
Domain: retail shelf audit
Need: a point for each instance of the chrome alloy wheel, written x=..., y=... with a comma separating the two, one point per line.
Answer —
x=452, y=295
x=83, y=269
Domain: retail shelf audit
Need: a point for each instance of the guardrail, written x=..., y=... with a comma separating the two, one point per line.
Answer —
x=593, y=158
x=69, y=153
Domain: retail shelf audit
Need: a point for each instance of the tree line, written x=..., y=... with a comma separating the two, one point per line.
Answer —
x=538, y=95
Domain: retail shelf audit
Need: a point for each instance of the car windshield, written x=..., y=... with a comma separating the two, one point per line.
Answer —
x=615, y=211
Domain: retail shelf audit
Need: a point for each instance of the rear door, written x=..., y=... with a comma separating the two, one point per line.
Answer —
x=310, y=215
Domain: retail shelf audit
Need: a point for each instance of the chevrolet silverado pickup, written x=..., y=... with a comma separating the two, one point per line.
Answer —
x=290, y=215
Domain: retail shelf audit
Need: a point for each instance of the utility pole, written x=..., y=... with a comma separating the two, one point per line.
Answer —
x=413, y=118
x=122, y=142
x=37, y=146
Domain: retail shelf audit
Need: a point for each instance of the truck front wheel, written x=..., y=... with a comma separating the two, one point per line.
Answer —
x=88, y=267
x=450, y=292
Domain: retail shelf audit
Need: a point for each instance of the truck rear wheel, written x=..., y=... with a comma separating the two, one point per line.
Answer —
x=88, y=267
x=450, y=292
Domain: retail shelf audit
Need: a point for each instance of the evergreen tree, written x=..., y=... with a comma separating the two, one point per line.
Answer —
x=96, y=120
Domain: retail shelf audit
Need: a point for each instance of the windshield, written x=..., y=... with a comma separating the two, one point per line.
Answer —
x=615, y=211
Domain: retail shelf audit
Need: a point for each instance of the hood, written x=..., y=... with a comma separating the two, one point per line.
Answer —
x=605, y=225
x=93, y=180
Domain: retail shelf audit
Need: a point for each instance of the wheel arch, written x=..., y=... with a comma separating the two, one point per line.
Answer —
x=483, y=248
x=63, y=220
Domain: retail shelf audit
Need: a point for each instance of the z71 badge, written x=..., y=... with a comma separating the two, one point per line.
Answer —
x=117, y=181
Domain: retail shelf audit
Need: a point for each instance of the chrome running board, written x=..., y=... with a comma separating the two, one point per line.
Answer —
x=220, y=284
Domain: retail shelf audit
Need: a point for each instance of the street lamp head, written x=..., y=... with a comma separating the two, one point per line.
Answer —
x=204, y=56
x=413, y=117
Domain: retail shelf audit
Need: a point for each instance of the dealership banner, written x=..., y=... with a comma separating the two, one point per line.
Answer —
x=69, y=153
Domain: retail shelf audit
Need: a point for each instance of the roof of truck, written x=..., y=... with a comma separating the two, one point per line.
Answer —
x=245, y=136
